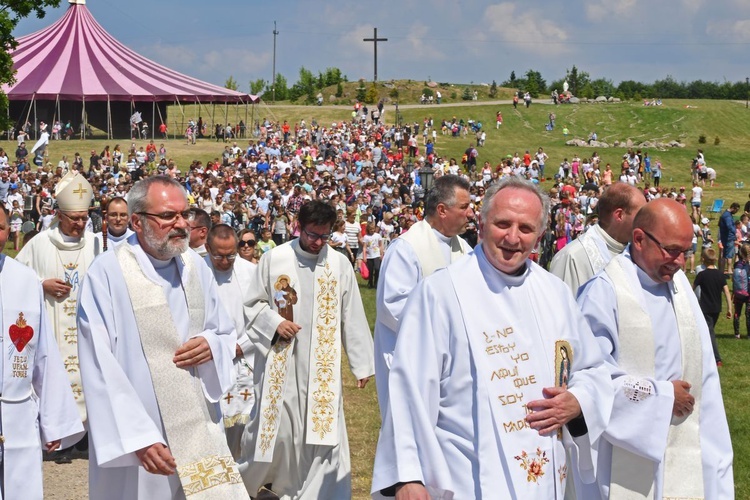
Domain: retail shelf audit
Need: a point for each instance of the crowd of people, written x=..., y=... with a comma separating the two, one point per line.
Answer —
x=200, y=316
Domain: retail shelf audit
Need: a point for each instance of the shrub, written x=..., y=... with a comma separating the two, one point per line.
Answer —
x=454, y=95
x=372, y=94
x=717, y=141
x=393, y=94
x=702, y=139
x=339, y=90
x=466, y=96
x=427, y=92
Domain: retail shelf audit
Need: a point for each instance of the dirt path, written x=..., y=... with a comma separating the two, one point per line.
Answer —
x=67, y=481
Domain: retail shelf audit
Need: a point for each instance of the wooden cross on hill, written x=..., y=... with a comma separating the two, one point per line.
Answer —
x=375, y=41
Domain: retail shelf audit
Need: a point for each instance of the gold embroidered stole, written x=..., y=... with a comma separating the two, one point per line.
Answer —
x=324, y=379
x=632, y=475
x=204, y=464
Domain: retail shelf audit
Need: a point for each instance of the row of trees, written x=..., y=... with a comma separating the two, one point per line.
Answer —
x=308, y=85
x=581, y=85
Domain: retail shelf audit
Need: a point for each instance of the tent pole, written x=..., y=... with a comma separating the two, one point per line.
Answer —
x=247, y=125
x=153, y=118
x=213, y=118
x=161, y=118
x=36, y=127
x=31, y=105
x=109, y=119
x=59, y=112
x=83, y=119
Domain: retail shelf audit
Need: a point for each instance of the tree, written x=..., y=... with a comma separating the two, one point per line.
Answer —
x=11, y=12
x=372, y=94
x=493, y=89
x=467, y=96
x=339, y=90
x=535, y=84
x=577, y=80
x=231, y=83
x=282, y=91
x=257, y=86
x=361, y=91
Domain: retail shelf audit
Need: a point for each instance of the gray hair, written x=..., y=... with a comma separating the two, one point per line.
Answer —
x=514, y=182
x=444, y=191
x=137, y=195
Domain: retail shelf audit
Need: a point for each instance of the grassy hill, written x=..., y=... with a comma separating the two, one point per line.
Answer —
x=684, y=121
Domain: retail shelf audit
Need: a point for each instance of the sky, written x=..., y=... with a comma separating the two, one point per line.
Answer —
x=456, y=41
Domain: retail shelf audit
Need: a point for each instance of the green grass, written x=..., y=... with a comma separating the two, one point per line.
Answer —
x=522, y=130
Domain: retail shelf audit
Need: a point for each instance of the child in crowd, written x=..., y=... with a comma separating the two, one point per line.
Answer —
x=266, y=243
x=373, y=244
x=712, y=283
x=740, y=288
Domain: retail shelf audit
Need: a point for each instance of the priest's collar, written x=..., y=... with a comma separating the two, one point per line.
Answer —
x=614, y=246
x=158, y=263
x=498, y=279
x=441, y=236
x=69, y=239
x=648, y=284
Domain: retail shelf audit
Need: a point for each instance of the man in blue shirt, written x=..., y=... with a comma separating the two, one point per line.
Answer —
x=727, y=236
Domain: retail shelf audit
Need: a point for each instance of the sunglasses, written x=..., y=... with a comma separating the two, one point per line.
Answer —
x=248, y=243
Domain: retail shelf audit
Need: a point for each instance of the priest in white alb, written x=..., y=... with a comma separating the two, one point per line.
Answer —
x=117, y=220
x=585, y=256
x=306, y=311
x=495, y=372
x=668, y=436
x=427, y=246
x=234, y=277
x=37, y=409
x=61, y=257
x=156, y=352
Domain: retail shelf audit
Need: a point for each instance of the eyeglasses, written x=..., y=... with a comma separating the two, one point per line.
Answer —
x=169, y=218
x=244, y=243
x=75, y=220
x=672, y=252
x=219, y=258
x=316, y=236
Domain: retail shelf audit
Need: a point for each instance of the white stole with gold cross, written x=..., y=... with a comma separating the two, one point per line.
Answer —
x=633, y=476
x=204, y=463
x=513, y=346
x=324, y=379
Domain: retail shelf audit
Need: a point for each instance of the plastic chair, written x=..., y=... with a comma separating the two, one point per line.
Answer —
x=716, y=207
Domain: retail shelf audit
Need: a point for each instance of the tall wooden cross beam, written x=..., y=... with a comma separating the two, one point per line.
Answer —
x=375, y=41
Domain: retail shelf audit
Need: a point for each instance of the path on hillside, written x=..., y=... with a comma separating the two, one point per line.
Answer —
x=411, y=106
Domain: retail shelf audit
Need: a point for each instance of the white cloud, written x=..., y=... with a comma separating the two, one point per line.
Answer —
x=526, y=26
x=171, y=55
x=601, y=10
x=230, y=61
x=736, y=31
x=419, y=45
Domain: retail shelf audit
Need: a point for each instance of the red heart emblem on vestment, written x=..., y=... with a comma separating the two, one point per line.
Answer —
x=20, y=333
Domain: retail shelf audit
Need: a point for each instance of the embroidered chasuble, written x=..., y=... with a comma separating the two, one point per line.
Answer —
x=297, y=437
x=204, y=464
x=53, y=255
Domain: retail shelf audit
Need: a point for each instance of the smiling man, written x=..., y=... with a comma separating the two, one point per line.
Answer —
x=489, y=386
x=668, y=435
x=306, y=311
x=117, y=224
x=156, y=353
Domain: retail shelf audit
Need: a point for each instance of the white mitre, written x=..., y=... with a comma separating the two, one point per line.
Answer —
x=73, y=193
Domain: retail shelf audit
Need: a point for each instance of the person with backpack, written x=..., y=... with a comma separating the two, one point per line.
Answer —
x=740, y=293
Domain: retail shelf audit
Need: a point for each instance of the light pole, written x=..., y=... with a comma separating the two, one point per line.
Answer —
x=747, y=91
x=273, y=83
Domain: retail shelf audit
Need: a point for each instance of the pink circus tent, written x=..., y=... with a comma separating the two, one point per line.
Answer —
x=75, y=59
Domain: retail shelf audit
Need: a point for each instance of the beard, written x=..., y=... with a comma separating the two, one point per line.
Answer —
x=166, y=248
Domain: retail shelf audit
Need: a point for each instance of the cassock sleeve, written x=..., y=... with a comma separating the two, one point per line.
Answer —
x=638, y=427
x=402, y=268
x=261, y=316
x=58, y=414
x=118, y=422
x=217, y=376
x=408, y=448
x=355, y=331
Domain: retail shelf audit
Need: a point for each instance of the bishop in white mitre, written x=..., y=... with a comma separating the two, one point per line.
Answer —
x=306, y=311
x=668, y=436
x=36, y=404
x=488, y=385
x=61, y=257
x=156, y=351
x=234, y=276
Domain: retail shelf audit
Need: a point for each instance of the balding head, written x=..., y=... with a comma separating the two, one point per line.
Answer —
x=617, y=208
x=662, y=233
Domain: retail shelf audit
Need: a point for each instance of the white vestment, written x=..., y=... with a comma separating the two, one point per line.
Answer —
x=400, y=272
x=36, y=405
x=53, y=255
x=298, y=469
x=642, y=413
x=238, y=402
x=112, y=241
x=585, y=256
x=467, y=331
x=123, y=409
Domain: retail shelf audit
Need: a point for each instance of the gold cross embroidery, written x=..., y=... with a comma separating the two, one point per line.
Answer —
x=202, y=475
x=245, y=394
x=229, y=397
x=80, y=191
